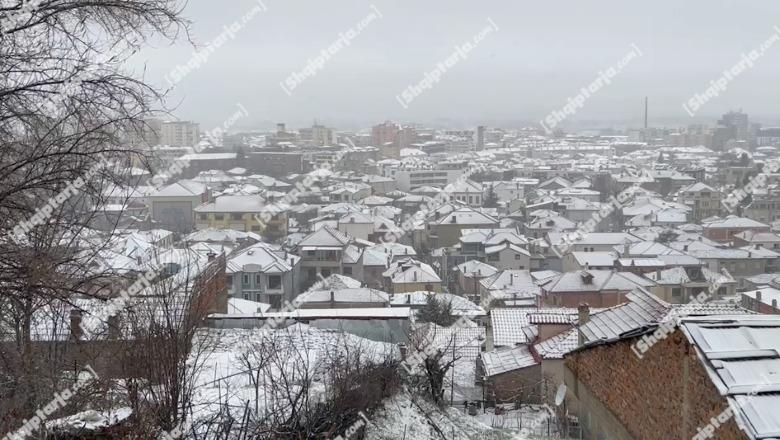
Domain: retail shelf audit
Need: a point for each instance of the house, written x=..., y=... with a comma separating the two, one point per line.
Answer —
x=704, y=200
x=589, y=260
x=740, y=263
x=369, y=267
x=361, y=297
x=469, y=275
x=599, y=288
x=466, y=191
x=555, y=183
x=588, y=195
x=172, y=207
x=348, y=192
x=508, y=191
x=264, y=274
x=241, y=213
x=590, y=242
x=510, y=375
x=506, y=256
x=447, y=230
x=380, y=184
x=509, y=286
x=723, y=230
x=769, y=240
x=409, y=275
x=539, y=227
x=322, y=253
x=707, y=377
x=681, y=285
x=357, y=225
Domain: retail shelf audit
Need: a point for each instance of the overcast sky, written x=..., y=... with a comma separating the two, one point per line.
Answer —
x=542, y=53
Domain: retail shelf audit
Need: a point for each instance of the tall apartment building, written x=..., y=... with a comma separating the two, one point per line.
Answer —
x=385, y=137
x=172, y=133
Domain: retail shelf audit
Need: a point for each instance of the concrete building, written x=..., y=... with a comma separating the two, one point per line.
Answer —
x=704, y=200
x=240, y=213
x=264, y=274
x=180, y=133
x=173, y=206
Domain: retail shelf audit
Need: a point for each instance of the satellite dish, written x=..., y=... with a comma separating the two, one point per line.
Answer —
x=560, y=394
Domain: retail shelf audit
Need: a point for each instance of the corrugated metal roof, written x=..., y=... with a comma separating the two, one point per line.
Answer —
x=741, y=354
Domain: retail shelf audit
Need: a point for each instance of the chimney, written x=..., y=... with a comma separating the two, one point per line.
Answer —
x=75, y=324
x=626, y=247
x=511, y=279
x=415, y=275
x=685, y=248
x=292, y=261
x=758, y=300
x=774, y=304
x=583, y=312
x=211, y=256
x=332, y=298
x=113, y=325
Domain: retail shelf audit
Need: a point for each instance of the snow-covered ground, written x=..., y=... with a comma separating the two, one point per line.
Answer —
x=402, y=419
x=298, y=356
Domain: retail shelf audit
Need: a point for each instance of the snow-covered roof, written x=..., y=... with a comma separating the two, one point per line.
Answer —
x=558, y=346
x=596, y=281
x=408, y=270
x=324, y=237
x=732, y=221
x=460, y=305
x=740, y=355
x=353, y=295
x=236, y=204
x=502, y=361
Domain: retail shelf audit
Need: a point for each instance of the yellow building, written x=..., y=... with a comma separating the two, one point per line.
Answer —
x=240, y=213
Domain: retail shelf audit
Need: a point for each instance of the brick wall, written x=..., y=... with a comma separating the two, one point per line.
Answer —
x=649, y=396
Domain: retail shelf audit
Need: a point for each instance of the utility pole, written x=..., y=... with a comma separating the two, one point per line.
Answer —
x=452, y=376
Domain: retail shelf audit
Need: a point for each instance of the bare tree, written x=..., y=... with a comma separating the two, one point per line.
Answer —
x=71, y=119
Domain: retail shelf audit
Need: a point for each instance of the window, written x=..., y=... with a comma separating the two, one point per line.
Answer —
x=493, y=257
x=246, y=279
x=518, y=257
x=274, y=282
x=255, y=228
x=219, y=216
x=229, y=281
x=258, y=279
x=347, y=271
x=203, y=216
x=275, y=301
x=677, y=293
x=236, y=216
